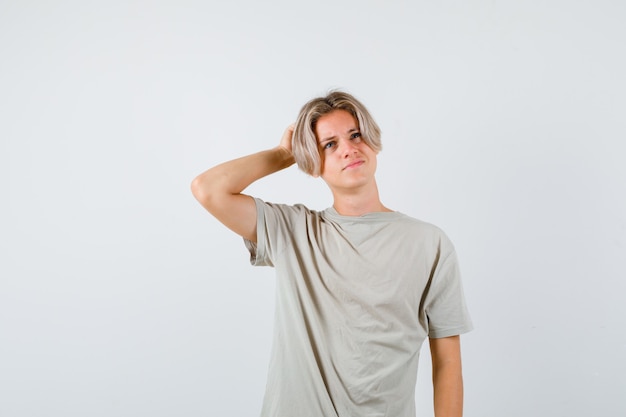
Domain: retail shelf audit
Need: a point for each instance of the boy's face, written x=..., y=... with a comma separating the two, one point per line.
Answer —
x=348, y=163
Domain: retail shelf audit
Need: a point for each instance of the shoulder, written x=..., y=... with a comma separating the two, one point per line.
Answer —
x=285, y=211
x=424, y=233
x=295, y=208
x=422, y=226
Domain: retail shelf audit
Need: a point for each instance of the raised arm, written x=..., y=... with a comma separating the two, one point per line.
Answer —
x=219, y=188
x=447, y=376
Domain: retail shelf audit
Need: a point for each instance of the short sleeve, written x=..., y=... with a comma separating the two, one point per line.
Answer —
x=258, y=255
x=446, y=308
x=275, y=227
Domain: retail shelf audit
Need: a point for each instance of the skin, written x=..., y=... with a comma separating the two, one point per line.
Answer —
x=447, y=376
x=349, y=167
x=219, y=189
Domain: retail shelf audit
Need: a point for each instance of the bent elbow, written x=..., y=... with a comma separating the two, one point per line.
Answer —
x=195, y=186
x=208, y=193
x=199, y=189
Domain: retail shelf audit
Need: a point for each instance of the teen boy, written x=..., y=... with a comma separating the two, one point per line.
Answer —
x=359, y=286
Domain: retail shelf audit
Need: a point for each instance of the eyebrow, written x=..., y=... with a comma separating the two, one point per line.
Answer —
x=354, y=129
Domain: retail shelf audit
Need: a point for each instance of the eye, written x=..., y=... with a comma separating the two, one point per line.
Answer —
x=330, y=144
x=356, y=136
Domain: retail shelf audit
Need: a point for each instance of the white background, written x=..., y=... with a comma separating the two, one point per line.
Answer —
x=503, y=123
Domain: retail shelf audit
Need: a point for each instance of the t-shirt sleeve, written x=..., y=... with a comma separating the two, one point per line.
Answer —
x=257, y=249
x=446, y=308
x=273, y=230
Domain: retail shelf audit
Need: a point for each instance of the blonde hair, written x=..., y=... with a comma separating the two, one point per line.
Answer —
x=306, y=149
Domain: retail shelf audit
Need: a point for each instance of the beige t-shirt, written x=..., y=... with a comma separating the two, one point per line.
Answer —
x=356, y=298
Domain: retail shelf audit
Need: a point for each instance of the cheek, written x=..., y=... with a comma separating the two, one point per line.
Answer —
x=366, y=148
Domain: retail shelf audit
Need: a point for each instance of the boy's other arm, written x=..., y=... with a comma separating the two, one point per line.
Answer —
x=447, y=376
x=219, y=188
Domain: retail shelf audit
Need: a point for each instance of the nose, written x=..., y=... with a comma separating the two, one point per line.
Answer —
x=347, y=148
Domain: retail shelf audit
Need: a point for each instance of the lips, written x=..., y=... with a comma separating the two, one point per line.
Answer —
x=354, y=164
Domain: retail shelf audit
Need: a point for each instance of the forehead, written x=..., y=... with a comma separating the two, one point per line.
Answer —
x=335, y=123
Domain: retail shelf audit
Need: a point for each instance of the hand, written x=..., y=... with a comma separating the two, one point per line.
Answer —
x=285, y=141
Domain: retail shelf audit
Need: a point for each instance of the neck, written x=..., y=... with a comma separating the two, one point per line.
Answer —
x=358, y=202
